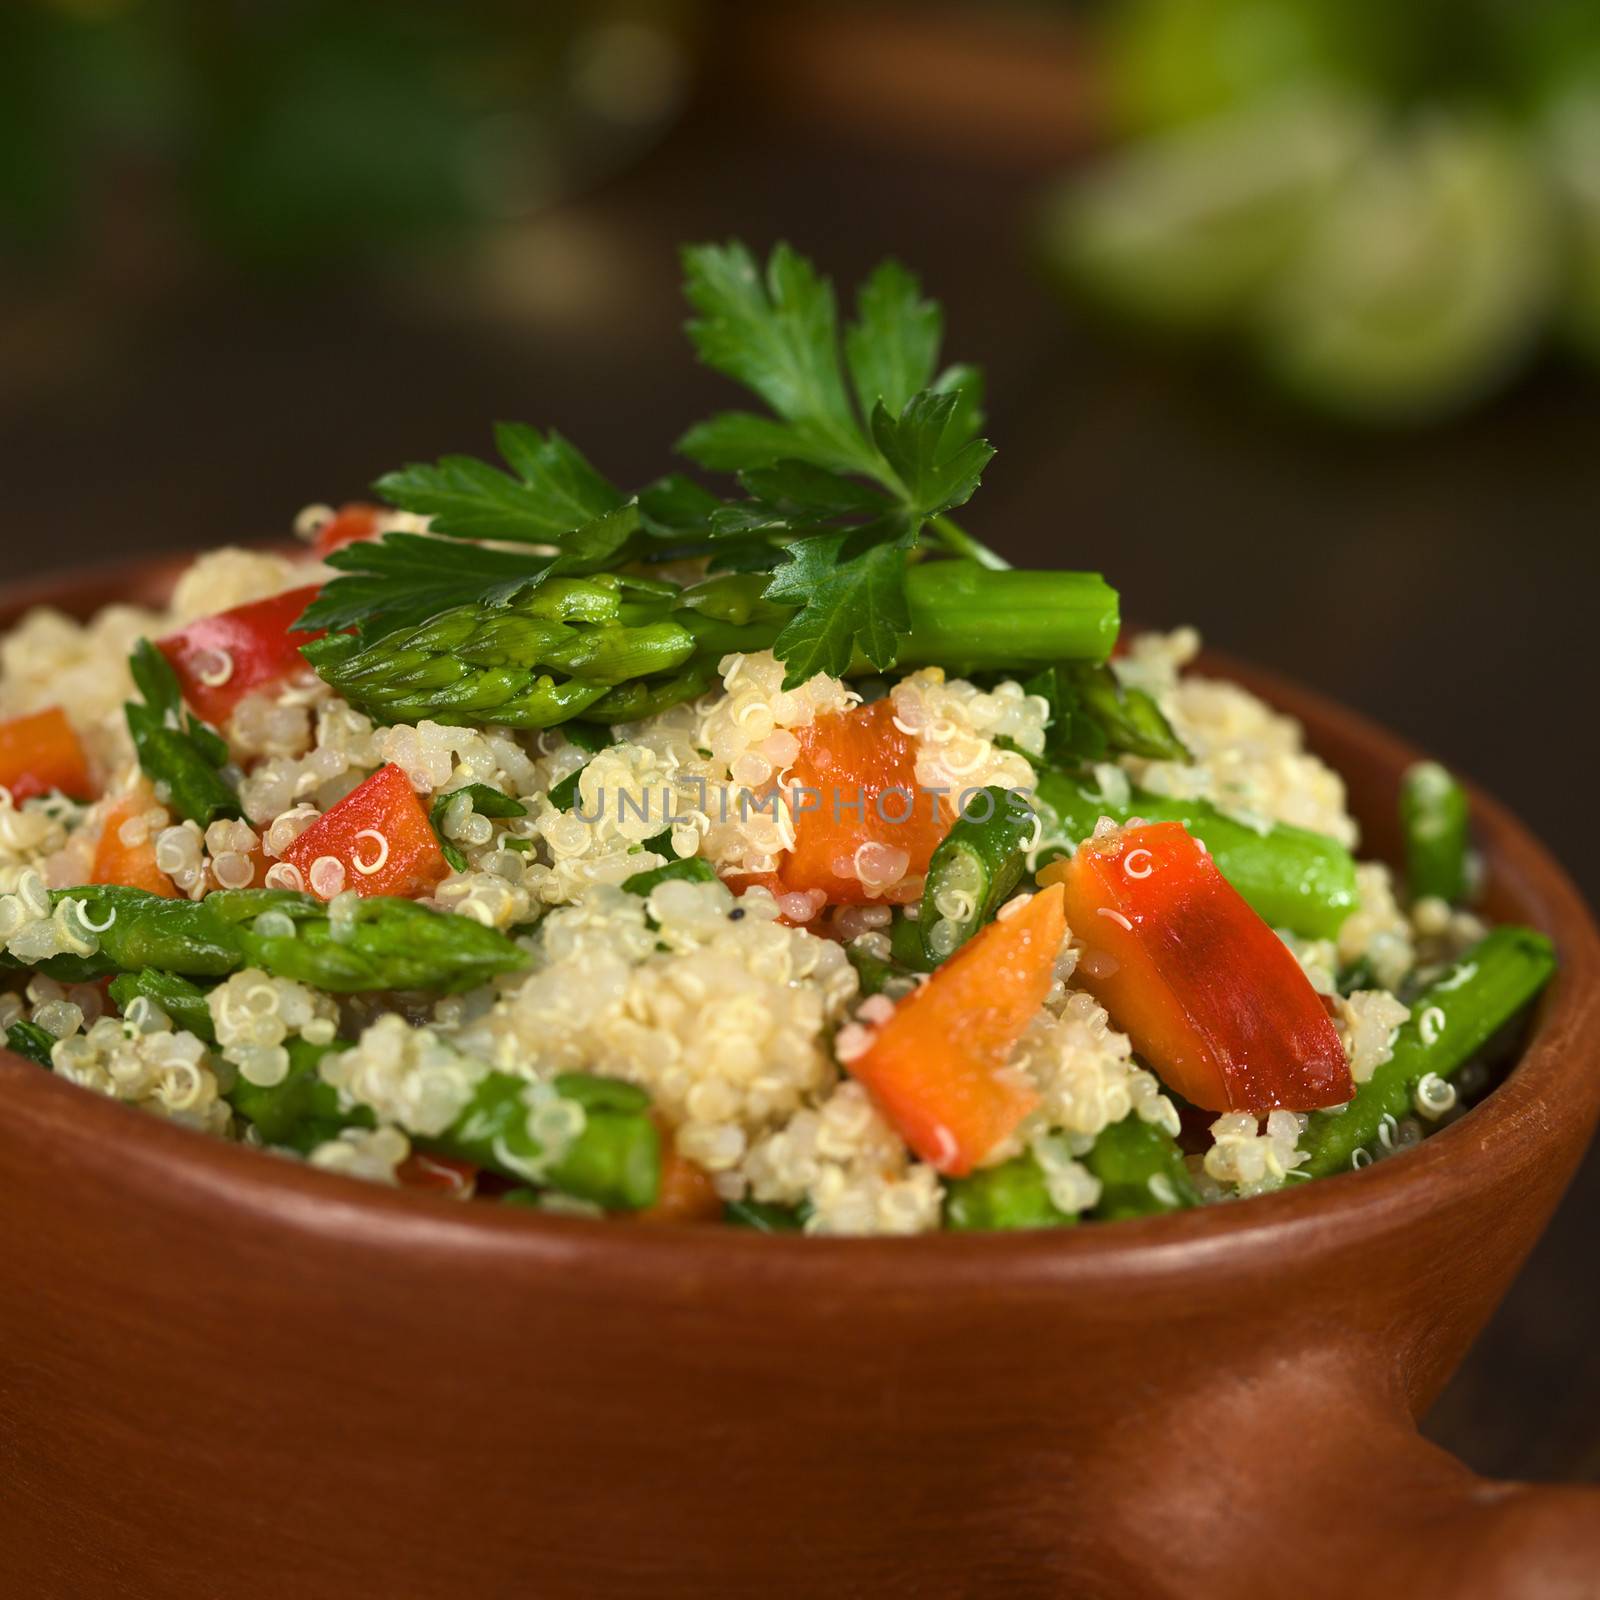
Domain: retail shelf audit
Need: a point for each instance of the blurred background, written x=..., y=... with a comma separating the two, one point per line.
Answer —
x=1290, y=310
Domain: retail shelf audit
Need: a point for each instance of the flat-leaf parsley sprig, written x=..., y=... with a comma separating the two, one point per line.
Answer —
x=543, y=608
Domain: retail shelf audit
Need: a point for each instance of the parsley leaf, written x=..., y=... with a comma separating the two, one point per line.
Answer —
x=938, y=464
x=848, y=603
x=600, y=542
x=894, y=345
x=688, y=869
x=487, y=801
x=778, y=334
x=406, y=578
x=554, y=491
x=676, y=506
x=1092, y=716
x=179, y=754
x=791, y=496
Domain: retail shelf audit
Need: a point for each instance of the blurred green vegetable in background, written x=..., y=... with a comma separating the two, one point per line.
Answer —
x=307, y=132
x=1384, y=207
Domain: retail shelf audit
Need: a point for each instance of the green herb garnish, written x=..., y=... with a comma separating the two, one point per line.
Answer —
x=1092, y=716
x=486, y=801
x=31, y=1042
x=180, y=755
x=867, y=446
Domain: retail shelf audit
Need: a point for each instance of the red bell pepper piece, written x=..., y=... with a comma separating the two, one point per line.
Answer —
x=1208, y=993
x=381, y=838
x=221, y=659
x=40, y=754
x=132, y=865
x=934, y=1067
x=352, y=524
x=854, y=783
x=439, y=1174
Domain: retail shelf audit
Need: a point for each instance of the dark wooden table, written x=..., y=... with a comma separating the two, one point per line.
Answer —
x=1444, y=582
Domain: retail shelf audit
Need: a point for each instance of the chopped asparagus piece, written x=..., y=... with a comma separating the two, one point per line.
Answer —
x=1011, y=1196
x=1451, y=1020
x=1433, y=814
x=1141, y=1171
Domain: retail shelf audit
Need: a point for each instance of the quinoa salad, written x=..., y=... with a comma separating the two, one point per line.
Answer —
x=755, y=849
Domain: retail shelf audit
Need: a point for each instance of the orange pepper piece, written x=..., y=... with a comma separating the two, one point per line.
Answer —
x=687, y=1193
x=132, y=865
x=1208, y=993
x=380, y=835
x=854, y=783
x=934, y=1068
x=41, y=753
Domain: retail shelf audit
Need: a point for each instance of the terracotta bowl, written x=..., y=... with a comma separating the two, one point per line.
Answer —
x=228, y=1376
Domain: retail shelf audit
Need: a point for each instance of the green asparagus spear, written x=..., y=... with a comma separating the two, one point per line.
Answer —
x=31, y=1042
x=647, y=697
x=183, y=1002
x=135, y=930
x=303, y=1110
x=976, y=867
x=905, y=943
x=905, y=961
x=1295, y=879
x=872, y=972
x=1010, y=1196
x=1450, y=1021
x=1141, y=1171
x=383, y=944
x=1433, y=813
x=588, y=647
x=614, y=1162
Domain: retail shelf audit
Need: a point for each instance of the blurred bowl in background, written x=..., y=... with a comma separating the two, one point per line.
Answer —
x=1383, y=210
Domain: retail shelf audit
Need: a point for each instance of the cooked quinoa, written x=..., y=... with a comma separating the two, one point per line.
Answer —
x=736, y=1011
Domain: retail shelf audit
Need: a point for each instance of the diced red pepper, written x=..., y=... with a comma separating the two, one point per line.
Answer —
x=934, y=1068
x=381, y=837
x=351, y=525
x=1208, y=993
x=438, y=1174
x=132, y=865
x=854, y=783
x=40, y=754
x=221, y=659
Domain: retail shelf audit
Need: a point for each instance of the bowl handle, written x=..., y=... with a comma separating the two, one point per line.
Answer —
x=1310, y=1480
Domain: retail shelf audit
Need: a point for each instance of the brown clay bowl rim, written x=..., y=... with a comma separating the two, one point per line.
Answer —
x=1377, y=1200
